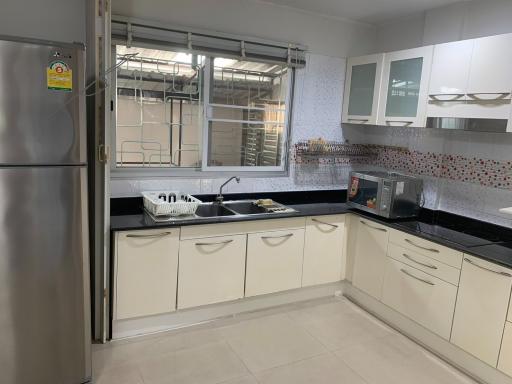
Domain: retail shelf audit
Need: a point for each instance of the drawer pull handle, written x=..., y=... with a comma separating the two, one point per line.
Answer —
x=277, y=237
x=323, y=222
x=416, y=277
x=487, y=269
x=371, y=226
x=421, y=247
x=419, y=262
x=360, y=120
x=152, y=236
x=215, y=243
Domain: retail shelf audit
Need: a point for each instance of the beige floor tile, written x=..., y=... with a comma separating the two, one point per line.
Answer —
x=337, y=331
x=244, y=380
x=121, y=374
x=184, y=340
x=111, y=355
x=323, y=310
x=324, y=369
x=396, y=360
x=210, y=364
x=271, y=341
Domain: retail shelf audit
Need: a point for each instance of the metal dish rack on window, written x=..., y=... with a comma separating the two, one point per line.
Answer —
x=331, y=152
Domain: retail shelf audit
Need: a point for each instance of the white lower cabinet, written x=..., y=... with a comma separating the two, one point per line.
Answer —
x=323, y=250
x=370, y=257
x=274, y=261
x=424, y=298
x=481, y=309
x=505, y=362
x=211, y=270
x=146, y=265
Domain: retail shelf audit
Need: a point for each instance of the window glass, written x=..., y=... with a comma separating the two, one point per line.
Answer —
x=159, y=109
x=248, y=105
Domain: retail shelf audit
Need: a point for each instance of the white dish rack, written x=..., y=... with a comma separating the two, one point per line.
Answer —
x=170, y=203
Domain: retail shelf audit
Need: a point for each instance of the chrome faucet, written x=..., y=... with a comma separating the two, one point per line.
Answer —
x=219, y=199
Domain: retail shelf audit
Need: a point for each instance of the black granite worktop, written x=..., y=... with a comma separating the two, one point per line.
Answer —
x=485, y=240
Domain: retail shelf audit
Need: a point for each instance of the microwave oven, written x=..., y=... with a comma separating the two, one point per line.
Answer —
x=388, y=194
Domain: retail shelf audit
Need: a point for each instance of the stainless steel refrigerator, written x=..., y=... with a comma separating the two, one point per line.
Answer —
x=44, y=257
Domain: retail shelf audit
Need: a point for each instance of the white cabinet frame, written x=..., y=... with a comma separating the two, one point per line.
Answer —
x=371, y=119
x=420, y=118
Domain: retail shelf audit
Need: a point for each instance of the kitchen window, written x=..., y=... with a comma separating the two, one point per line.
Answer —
x=177, y=111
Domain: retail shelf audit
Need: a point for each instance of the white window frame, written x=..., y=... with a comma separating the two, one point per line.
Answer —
x=205, y=170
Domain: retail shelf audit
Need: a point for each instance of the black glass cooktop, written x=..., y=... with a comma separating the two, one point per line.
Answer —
x=459, y=234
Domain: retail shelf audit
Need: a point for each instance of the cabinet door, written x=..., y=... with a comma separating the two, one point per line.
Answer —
x=505, y=362
x=362, y=87
x=424, y=298
x=481, y=310
x=323, y=250
x=450, y=71
x=405, y=79
x=211, y=270
x=370, y=257
x=146, y=271
x=274, y=261
x=490, y=76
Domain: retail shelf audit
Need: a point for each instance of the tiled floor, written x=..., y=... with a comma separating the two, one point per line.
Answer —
x=322, y=342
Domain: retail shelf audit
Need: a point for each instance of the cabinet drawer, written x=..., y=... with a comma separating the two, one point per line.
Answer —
x=481, y=312
x=426, y=264
x=146, y=271
x=237, y=228
x=425, y=299
x=211, y=270
x=505, y=362
x=274, y=261
x=325, y=233
x=427, y=248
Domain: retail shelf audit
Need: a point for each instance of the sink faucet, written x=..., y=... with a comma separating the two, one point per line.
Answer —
x=219, y=199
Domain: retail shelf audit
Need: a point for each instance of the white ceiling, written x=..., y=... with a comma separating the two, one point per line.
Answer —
x=369, y=11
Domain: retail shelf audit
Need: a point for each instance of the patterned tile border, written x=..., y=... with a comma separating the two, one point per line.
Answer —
x=485, y=172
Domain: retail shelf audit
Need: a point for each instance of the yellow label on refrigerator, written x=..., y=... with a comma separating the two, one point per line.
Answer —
x=59, y=76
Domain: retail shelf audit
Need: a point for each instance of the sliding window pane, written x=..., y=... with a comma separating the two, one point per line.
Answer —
x=239, y=144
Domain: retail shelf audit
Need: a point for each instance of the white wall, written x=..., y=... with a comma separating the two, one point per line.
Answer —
x=58, y=20
x=464, y=20
x=323, y=35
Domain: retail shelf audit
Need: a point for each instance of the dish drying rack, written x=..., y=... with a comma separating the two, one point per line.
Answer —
x=170, y=203
x=321, y=148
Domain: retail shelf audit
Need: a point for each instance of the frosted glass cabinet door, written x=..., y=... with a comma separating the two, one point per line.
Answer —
x=406, y=76
x=362, y=86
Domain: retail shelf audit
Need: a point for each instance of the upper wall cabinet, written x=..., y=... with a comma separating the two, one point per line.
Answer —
x=362, y=86
x=403, y=95
x=450, y=71
x=491, y=73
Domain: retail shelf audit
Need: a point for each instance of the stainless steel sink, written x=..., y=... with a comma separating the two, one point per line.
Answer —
x=245, y=207
x=213, y=210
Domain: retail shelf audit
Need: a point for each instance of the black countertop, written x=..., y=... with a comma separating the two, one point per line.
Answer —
x=478, y=238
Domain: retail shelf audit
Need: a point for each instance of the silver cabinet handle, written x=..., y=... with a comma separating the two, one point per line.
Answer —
x=151, y=236
x=371, y=226
x=418, y=262
x=277, y=237
x=500, y=95
x=406, y=123
x=422, y=247
x=215, y=243
x=323, y=222
x=487, y=269
x=360, y=120
x=455, y=96
x=416, y=277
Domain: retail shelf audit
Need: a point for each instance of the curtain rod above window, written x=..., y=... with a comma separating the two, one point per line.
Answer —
x=132, y=31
